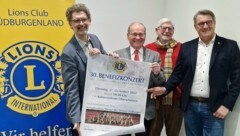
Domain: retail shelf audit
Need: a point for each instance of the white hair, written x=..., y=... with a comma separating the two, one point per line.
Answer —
x=164, y=20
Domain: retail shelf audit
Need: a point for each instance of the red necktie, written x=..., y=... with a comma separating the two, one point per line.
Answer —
x=136, y=55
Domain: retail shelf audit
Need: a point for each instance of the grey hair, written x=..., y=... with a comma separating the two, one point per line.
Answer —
x=164, y=20
x=133, y=23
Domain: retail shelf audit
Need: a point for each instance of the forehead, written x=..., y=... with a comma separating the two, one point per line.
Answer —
x=79, y=14
x=200, y=18
x=169, y=24
x=137, y=27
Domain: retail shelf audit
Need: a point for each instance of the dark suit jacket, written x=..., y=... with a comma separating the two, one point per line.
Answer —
x=224, y=73
x=74, y=62
x=148, y=56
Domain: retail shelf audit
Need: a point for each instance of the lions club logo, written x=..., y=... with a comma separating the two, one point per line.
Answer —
x=30, y=78
x=119, y=66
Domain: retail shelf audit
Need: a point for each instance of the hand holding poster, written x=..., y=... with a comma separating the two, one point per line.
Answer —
x=114, y=96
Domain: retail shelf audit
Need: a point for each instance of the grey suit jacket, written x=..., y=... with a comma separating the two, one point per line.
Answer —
x=74, y=62
x=148, y=56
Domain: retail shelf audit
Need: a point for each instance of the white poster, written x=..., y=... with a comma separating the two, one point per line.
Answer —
x=115, y=96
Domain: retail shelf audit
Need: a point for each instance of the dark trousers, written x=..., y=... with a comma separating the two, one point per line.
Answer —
x=147, y=124
x=169, y=115
x=74, y=132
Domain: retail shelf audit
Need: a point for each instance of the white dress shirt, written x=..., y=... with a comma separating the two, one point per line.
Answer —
x=140, y=53
x=200, y=86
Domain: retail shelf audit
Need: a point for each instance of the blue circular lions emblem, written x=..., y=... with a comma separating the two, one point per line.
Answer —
x=30, y=77
x=120, y=66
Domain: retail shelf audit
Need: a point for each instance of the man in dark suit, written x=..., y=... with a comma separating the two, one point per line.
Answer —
x=74, y=61
x=136, y=51
x=209, y=69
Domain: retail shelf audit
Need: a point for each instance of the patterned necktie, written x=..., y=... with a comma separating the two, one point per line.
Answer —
x=136, y=55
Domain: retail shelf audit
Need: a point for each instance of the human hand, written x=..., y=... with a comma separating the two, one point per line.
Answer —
x=155, y=68
x=221, y=112
x=114, y=55
x=156, y=91
x=77, y=127
x=94, y=51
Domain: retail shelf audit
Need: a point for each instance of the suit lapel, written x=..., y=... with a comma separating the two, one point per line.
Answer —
x=193, y=52
x=92, y=41
x=215, y=50
x=145, y=55
x=127, y=53
x=79, y=50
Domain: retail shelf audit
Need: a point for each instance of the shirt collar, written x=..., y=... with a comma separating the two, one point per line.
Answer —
x=211, y=42
x=81, y=42
x=132, y=50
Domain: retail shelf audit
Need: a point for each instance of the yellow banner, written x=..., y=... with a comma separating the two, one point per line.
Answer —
x=35, y=20
x=32, y=36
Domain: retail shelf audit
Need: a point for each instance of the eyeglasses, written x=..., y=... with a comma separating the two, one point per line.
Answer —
x=201, y=24
x=79, y=20
x=165, y=28
x=141, y=35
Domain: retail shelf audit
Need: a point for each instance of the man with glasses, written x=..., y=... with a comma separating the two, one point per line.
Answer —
x=74, y=61
x=137, y=52
x=168, y=110
x=209, y=69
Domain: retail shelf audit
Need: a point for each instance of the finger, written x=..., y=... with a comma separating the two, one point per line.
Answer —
x=90, y=51
x=97, y=51
x=150, y=90
x=152, y=96
x=75, y=126
x=156, y=69
x=155, y=97
x=218, y=115
x=214, y=114
x=155, y=63
x=110, y=54
x=116, y=56
x=154, y=66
